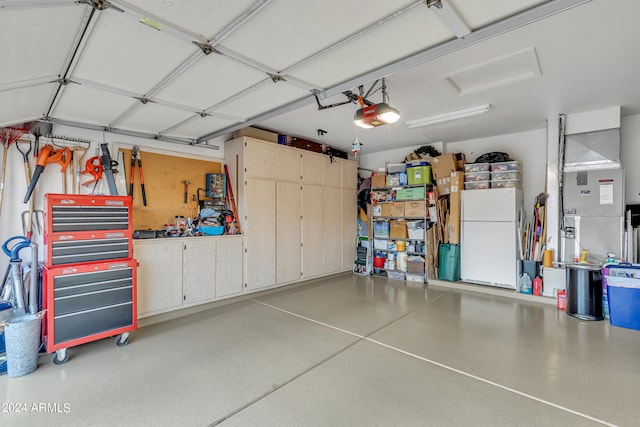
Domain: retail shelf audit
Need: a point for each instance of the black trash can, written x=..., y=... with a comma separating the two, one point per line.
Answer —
x=584, y=291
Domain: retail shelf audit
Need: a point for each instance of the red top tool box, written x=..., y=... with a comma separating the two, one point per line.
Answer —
x=89, y=276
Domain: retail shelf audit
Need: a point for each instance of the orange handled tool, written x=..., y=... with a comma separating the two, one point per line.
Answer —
x=47, y=155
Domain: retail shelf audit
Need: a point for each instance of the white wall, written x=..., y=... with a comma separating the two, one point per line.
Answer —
x=630, y=156
x=51, y=180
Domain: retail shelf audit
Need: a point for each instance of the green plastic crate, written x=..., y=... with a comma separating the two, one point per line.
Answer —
x=410, y=193
x=419, y=175
x=449, y=262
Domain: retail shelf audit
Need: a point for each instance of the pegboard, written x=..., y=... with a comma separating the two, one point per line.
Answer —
x=164, y=187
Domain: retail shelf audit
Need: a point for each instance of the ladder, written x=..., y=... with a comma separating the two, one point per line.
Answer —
x=363, y=262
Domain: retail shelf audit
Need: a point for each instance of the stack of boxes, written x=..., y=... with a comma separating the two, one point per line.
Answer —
x=506, y=175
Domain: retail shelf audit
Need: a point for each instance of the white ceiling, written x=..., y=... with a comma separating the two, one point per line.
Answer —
x=134, y=67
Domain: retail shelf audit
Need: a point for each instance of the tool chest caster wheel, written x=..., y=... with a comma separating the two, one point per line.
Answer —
x=60, y=357
x=122, y=339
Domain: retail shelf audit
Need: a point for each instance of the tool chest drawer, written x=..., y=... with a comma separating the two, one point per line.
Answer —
x=83, y=247
x=89, y=301
x=66, y=213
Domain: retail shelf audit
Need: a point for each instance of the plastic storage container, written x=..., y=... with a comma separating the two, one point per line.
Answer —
x=413, y=193
x=419, y=175
x=477, y=167
x=505, y=166
x=505, y=183
x=449, y=262
x=381, y=229
x=477, y=176
x=477, y=185
x=395, y=275
x=622, y=284
x=501, y=175
x=396, y=168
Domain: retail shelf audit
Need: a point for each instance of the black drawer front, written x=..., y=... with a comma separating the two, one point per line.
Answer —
x=91, y=300
x=84, y=279
x=88, y=323
x=72, y=252
x=87, y=218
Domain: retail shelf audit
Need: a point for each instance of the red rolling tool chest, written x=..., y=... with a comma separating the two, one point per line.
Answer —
x=89, y=275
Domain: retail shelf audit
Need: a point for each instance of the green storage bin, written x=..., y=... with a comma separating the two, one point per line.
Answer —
x=413, y=193
x=449, y=262
x=419, y=175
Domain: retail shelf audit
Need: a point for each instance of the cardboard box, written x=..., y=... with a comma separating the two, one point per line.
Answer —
x=257, y=133
x=396, y=209
x=457, y=182
x=379, y=179
x=443, y=165
x=415, y=267
x=453, y=225
x=444, y=185
x=460, y=161
x=398, y=229
x=415, y=209
x=385, y=209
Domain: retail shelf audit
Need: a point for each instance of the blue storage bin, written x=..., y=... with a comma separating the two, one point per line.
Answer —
x=624, y=301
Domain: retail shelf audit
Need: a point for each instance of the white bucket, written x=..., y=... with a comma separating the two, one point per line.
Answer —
x=22, y=340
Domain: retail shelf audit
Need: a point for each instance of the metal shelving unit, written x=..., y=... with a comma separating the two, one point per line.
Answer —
x=408, y=241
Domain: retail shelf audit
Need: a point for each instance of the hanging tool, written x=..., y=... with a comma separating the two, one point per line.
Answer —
x=27, y=226
x=232, y=199
x=108, y=166
x=32, y=221
x=135, y=155
x=79, y=152
x=64, y=161
x=186, y=191
x=94, y=168
x=9, y=136
x=47, y=155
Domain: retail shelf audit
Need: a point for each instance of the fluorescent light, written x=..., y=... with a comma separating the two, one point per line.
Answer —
x=375, y=115
x=446, y=117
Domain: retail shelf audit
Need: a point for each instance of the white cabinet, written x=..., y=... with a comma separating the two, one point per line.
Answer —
x=349, y=174
x=159, y=275
x=288, y=164
x=312, y=247
x=180, y=272
x=332, y=229
x=332, y=174
x=298, y=212
x=313, y=166
x=260, y=230
x=288, y=232
x=229, y=266
x=198, y=270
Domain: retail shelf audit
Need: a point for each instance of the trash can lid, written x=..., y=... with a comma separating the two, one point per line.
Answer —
x=584, y=266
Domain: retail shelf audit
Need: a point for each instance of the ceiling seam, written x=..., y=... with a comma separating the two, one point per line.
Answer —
x=508, y=24
x=90, y=19
x=184, y=66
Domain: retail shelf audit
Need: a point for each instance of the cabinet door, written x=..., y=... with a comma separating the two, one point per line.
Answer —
x=288, y=164
x=312, y=249
x=349, y=227
x=349, y=172
x=159, y=276
x=260, y=159
x=199, y=270
x=332, y=174
x=228, y=266
x=260, y=229
x=288, y=232
x=313, y=168
x=332, y=229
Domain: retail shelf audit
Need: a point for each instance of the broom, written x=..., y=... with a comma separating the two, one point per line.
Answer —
x=8, y=135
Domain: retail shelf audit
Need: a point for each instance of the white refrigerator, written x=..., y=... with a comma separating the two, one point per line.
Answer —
x=489, y=253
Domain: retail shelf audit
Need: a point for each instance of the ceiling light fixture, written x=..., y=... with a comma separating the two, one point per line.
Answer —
x=369, y=116
x=446, y=117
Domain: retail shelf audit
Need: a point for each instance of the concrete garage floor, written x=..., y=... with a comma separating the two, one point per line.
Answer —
x=346, y=351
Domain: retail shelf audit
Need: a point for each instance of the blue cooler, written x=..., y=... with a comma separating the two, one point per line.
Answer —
x=622, y=282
